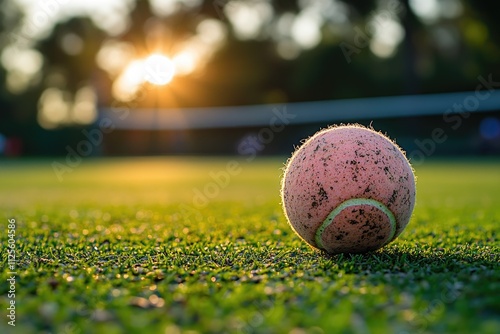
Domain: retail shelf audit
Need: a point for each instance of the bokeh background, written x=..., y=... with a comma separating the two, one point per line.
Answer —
x=67, y=65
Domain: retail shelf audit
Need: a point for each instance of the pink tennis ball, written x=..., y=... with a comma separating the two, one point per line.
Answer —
x=348, y=189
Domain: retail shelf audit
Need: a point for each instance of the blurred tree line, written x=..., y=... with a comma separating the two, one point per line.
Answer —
x=262, y=52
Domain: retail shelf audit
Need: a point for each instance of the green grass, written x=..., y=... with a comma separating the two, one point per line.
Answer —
x=119, y=247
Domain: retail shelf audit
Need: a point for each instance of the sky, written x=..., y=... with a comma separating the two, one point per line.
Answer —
x=41, y=15
x=111, y=15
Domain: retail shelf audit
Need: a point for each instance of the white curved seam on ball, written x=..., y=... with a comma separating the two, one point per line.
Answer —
x=351, y=202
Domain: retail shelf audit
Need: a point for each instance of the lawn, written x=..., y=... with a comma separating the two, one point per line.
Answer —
x=200, y=245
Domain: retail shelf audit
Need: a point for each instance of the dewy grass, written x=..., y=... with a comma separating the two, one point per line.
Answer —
x=120, y=247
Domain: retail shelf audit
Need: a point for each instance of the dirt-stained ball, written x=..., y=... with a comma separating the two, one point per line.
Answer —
x=348, y=189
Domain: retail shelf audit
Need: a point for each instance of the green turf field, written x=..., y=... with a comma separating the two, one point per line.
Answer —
x=130, y=245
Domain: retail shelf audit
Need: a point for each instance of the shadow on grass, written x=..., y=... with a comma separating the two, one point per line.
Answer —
x=466, y=258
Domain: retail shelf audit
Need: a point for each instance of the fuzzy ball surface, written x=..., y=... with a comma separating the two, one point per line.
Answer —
x=348, y=189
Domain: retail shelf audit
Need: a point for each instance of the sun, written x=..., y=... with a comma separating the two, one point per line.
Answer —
x=158, y=69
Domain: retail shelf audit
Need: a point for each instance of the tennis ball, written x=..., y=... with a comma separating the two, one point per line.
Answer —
x=348, y=189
